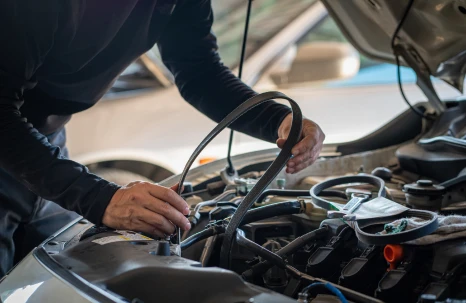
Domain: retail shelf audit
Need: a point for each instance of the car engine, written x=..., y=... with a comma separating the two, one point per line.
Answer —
x=306, y=238
x=285, y=222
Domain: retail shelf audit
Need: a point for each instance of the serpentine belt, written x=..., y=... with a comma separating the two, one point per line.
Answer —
x=374, y=239
x=293, y=137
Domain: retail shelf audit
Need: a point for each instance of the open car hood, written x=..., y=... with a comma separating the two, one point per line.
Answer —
x=432, y=39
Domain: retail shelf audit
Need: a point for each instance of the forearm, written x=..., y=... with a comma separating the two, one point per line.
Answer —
x=215, y=91
x=189, y=50
x=30, y=158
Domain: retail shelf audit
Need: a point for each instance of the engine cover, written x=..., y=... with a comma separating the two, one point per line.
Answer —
x=133, y=270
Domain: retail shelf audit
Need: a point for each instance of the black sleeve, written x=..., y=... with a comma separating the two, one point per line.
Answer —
x=26, y=36
x=189, y=50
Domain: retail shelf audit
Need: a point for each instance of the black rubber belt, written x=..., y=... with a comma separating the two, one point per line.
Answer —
x=293, y=137
x=401, y=237
x=324, y=185
x=374, y=239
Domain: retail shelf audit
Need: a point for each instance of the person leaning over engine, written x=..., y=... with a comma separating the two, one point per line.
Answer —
x=58, y=58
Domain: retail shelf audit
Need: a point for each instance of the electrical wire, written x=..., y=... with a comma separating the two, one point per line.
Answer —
x=330, y=287
x=253, y=215
x=231, y=169
x=259, y=250
x=398, y=68
x=291, y=248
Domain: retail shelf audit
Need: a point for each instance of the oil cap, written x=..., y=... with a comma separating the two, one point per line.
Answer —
x=424, y=194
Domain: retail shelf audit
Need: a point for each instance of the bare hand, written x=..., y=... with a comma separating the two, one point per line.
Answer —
x=148, y=208
x=307, y=150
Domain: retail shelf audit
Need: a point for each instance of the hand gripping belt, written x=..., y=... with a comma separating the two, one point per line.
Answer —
x=293, y=137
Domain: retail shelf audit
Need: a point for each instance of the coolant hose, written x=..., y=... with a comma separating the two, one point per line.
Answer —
x=291, y=248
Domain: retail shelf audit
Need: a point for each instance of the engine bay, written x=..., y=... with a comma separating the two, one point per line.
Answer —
x=286, y=222
x=371, y=226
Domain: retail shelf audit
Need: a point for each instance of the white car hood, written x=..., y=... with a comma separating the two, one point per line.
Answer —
x=433, y=34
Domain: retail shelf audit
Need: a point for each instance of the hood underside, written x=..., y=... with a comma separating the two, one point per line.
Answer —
x=432, y=39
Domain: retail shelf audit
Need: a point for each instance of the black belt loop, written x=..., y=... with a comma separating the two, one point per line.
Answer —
x=374, y=239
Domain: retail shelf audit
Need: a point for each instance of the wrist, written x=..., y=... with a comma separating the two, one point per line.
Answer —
x=101, y=202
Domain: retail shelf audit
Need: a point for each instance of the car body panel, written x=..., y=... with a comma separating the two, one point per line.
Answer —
x=370, y=25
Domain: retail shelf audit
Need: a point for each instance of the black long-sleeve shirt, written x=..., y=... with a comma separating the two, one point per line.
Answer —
x=58, y=57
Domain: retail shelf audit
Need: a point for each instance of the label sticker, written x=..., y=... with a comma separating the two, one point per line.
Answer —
x=124, y=236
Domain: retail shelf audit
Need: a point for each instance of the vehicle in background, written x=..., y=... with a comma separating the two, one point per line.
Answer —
x=143, y=129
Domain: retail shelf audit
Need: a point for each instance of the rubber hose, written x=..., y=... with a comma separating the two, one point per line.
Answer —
x=289, y=249
x=203, y=234
x=272, y=210
x=253, y=215
x=259, y=250
x=297, y=193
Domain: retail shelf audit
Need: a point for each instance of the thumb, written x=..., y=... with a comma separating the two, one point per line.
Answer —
x=281, y=142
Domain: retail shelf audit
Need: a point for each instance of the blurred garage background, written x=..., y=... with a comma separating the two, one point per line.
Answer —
x=293, y=46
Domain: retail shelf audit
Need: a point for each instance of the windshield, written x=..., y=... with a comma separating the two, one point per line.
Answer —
x=268, y=17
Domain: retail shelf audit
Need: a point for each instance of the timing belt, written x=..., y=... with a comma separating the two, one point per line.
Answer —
x=274, y=169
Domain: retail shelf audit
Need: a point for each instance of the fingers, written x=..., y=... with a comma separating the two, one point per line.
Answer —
x=302, y=165
x=156, y=221
x=307, y=155
x=142, y=226
x=146, y=207
x=304, y=160
x=169, y=196
x=311, y=138
x=169, y=213
x=306, y=151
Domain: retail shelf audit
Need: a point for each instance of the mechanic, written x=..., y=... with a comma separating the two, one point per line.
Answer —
x=58, y=58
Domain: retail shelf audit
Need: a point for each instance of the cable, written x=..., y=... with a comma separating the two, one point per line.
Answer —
x=214, y=201
x=398, y=68
x=259, y=250
x=289, y=249
x=329, y=286
x=195, y=213
x=230, y=168
x=257, y=214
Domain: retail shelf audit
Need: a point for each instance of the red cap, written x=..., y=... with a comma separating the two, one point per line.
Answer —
x=393, y=254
